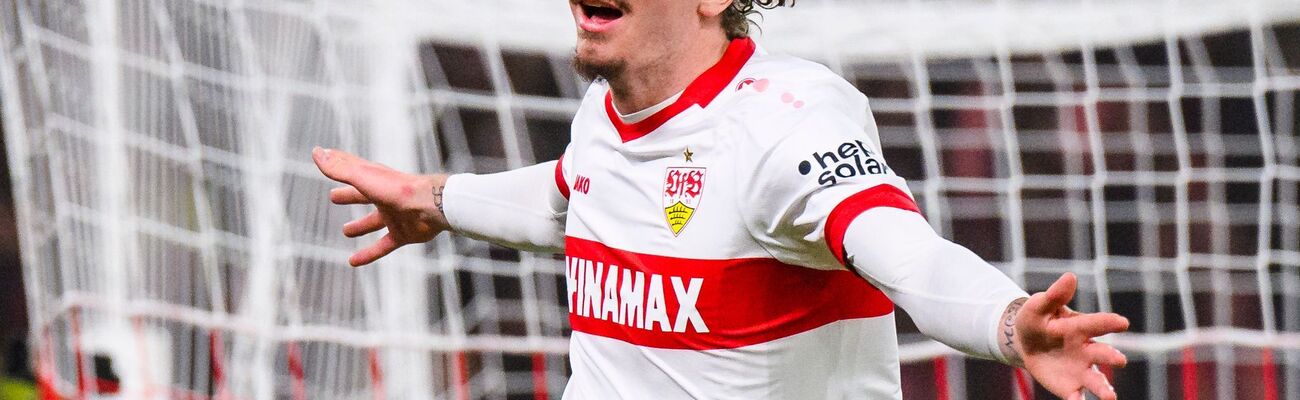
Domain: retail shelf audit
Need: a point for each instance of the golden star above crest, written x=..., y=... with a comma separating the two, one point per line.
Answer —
x=688, y=154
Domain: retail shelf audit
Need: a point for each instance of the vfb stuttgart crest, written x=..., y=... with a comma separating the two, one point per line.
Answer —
x=683, y=187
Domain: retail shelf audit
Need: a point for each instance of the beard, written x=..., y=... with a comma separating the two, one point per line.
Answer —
x=591, y=70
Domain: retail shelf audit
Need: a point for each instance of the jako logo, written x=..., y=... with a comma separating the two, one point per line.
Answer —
x=582, y=184
x=848, y=160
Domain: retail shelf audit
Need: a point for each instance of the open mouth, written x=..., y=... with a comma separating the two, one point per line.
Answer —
x=600, y=13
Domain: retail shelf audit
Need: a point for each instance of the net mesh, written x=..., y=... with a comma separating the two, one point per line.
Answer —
x=178, y=243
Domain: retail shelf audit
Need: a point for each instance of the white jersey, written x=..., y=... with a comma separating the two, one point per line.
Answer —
x=704, y=243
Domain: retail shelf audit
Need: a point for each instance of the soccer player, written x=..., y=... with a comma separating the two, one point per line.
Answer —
x=730, y=226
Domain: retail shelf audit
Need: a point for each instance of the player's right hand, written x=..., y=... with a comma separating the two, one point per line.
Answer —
x=410, y=206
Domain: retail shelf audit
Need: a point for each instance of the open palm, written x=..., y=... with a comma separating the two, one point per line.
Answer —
x=1056, y=343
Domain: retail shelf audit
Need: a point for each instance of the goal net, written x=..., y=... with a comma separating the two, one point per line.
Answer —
x=178, y=243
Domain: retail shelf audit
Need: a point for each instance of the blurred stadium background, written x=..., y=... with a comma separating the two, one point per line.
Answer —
x=176, y=242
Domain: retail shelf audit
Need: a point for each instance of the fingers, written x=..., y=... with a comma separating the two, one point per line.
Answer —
x=1096, y=382
x=375, y=251
x=1056, y=296
x=348, y=195
x=364, y=225
x=343, y=167
x=335, y=164
x=1092, y=381
x=376, y=182
x=1103, y=354
x=1090, y=325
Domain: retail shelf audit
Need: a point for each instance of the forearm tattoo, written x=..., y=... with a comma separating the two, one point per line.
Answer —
x=1007, y=330
x=437, y=197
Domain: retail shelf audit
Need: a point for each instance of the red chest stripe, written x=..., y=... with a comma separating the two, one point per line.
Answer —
x=681, y=303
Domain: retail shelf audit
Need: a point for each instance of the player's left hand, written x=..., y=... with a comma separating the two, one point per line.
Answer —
x=1056, y=346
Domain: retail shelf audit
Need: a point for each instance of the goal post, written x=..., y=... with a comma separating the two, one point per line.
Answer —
x=178, y=242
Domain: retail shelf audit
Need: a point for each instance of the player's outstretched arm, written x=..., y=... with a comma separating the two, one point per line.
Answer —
x=410, y=206
x=1056, y=344
x=521, y=208
x=957, y=298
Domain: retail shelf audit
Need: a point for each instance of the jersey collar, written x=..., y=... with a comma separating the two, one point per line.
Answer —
x=701, y=91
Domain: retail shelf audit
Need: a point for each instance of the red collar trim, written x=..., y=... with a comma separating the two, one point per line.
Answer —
x=701, y=91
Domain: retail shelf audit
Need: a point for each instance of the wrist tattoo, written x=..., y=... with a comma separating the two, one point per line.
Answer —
x=437, y=197
x=1007, y=329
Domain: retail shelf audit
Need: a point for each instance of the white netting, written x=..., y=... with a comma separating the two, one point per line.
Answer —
x=176, y=237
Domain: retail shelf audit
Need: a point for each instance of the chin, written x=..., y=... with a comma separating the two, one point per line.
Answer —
x=591, y=66
x=592, y=48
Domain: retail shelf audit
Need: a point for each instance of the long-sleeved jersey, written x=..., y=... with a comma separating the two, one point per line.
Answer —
x=705, y=245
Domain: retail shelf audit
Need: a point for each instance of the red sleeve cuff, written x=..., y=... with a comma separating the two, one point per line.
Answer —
x=838, y=221
x=560, y=183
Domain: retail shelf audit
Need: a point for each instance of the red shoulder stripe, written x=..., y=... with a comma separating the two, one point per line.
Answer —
x=560, y=183
x=838, y=221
